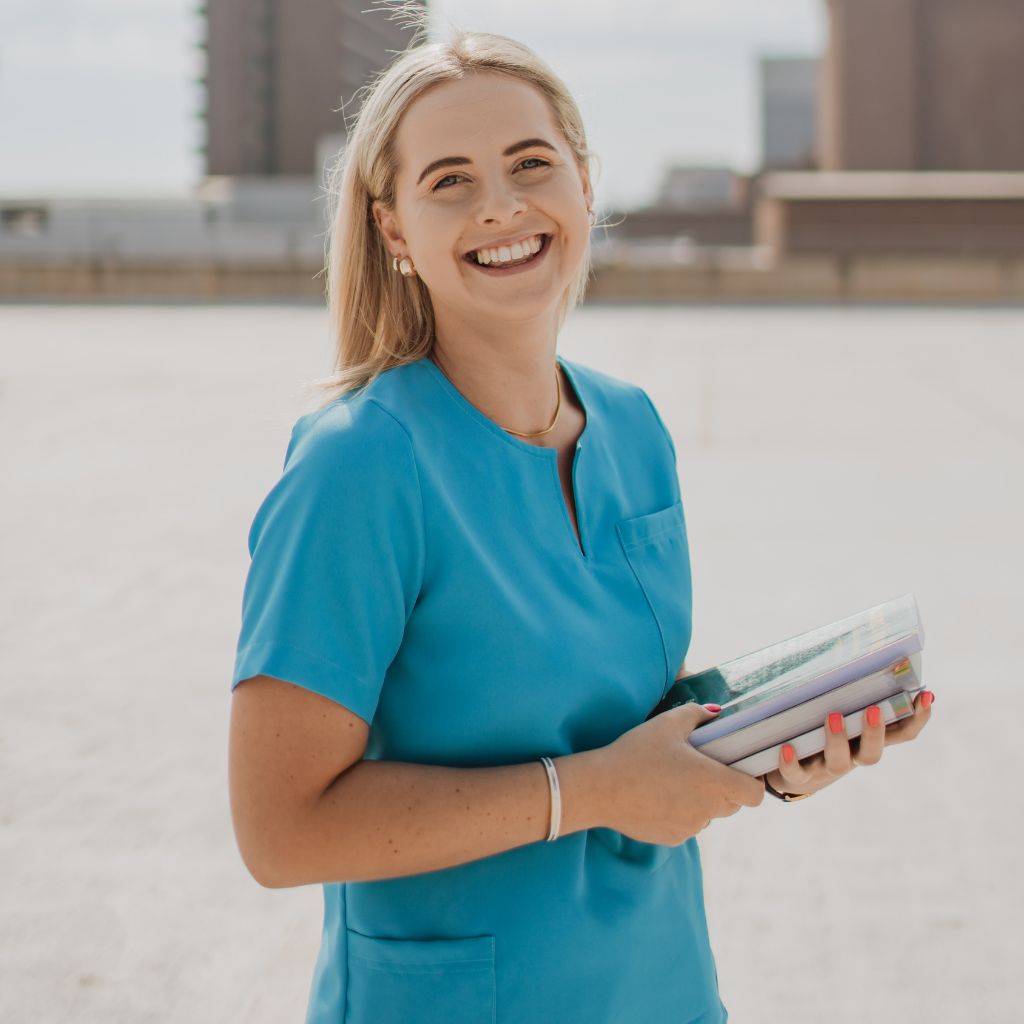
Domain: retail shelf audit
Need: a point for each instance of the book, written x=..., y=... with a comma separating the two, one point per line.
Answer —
x=902, y=675
x=894, y=708
x=784, y=693
x=783, y=675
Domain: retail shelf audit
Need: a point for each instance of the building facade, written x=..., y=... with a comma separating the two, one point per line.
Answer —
x=282, y=75
x=923, y=85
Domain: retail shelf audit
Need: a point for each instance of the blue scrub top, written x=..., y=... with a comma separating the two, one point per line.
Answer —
x=417, y=564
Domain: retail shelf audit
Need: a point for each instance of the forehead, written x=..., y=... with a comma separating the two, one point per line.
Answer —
x=473, y=114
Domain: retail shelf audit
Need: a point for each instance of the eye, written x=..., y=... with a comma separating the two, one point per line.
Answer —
x=447, y=181
x=532, y=163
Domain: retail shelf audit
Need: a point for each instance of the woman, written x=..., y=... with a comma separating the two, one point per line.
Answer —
x=476, y=559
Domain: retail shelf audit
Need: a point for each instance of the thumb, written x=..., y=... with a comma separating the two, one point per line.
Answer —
x=690, y=716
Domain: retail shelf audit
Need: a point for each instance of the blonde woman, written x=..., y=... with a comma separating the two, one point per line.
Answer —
x=468, y=590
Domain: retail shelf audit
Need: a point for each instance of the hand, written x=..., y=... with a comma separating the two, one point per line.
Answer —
x=841, y=755
x=657, y=788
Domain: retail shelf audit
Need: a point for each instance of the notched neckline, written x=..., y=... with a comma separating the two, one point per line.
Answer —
x=578, y=540
x=467, y=407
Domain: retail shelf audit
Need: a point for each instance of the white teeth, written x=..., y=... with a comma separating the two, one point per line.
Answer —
x=505, y=253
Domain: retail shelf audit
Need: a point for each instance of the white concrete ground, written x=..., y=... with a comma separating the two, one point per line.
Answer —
x=829, y=459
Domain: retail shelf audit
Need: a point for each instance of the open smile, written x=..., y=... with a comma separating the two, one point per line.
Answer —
x=500, y=259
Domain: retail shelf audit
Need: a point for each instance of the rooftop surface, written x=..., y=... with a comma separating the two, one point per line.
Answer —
x=829, y=459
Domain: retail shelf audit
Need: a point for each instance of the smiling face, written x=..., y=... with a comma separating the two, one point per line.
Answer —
x=491, y=205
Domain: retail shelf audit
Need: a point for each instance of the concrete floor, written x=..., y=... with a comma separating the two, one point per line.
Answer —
x=829, y=459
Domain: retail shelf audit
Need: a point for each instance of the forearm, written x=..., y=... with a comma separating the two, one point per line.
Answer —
x=385, y=819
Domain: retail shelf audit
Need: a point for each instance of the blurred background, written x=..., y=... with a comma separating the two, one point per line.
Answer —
x=814, y=264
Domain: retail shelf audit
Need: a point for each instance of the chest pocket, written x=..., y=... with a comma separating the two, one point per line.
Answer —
x=656, y=549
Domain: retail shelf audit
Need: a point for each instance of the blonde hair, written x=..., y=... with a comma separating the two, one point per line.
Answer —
x=380, y=319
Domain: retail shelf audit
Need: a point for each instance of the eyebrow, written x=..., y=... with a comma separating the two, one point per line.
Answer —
x=460, y=161
x=528, y=144
x=445, y=161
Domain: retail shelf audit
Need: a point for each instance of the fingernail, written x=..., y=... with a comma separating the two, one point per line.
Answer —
x=787, y=754
x=835, y=722
x=926, y=699
x=713, y=707
x=874, y=716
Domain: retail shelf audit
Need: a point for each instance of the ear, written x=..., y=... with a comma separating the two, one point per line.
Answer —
x=387, y=222
x=588, y=187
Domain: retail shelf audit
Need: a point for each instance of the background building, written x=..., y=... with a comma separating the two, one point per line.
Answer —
x=281, y=76
x=919, y=192
x=924, y=85
x=789, y=113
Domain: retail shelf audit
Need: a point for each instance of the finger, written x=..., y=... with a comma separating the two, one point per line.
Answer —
x=872, y=737
x=908, y=728
x=838, y=760
x=793, y=776
x=728, y=809
x=689, y=716
x=737, y=787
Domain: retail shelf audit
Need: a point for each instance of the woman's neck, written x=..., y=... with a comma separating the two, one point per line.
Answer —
x=507, y=371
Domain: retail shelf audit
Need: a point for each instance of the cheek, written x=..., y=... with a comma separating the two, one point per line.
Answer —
x=564, y=202
x=435, y=234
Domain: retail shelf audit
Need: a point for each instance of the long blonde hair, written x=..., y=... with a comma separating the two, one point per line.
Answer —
x=380, y=319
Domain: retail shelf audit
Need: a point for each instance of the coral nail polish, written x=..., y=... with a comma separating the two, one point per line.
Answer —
x=835, y=722
x=926, y=699
x=874, y=716
x=713, y=707
x=787, y=754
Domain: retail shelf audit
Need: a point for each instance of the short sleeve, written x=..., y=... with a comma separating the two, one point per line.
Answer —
x=337, y=558
x=661, y=424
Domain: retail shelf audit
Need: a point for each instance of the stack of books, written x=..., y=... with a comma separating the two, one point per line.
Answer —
x=784, y=693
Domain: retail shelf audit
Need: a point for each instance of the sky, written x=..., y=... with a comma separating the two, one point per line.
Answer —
x=103, y=97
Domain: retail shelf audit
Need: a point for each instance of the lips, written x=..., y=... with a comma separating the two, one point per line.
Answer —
x=508, y=255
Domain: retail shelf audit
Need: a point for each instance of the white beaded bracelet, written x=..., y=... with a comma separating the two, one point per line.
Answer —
x=556, y=799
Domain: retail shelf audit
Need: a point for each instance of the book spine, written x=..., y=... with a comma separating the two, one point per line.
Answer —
x=873, y=662
x=845, y=699
x=897, y=707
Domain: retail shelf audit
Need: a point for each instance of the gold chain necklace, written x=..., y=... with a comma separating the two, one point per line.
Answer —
x=558, y=409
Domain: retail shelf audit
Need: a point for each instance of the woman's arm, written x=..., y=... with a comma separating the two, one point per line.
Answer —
x=307, y=808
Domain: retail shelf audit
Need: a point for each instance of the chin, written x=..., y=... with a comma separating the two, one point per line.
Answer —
x=518, y=309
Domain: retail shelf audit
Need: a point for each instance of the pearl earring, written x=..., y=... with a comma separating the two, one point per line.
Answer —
x=403, y=266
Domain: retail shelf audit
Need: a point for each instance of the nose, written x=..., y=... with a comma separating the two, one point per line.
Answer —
x=499, y=202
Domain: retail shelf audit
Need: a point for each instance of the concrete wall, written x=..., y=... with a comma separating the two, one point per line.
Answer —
x=925, y=279
x=917, y=213
x=156, y=280
x=892, y=226
x=828, y=279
